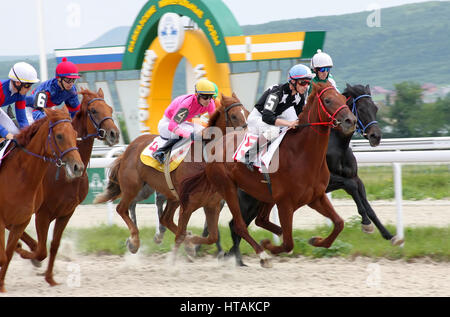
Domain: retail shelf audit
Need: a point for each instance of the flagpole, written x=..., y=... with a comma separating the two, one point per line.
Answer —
x=42, y=55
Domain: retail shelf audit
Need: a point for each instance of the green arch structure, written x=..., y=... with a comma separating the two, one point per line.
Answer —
x=212, y=16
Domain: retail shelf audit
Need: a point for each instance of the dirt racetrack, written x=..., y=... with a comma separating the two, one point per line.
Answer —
x=139, y=275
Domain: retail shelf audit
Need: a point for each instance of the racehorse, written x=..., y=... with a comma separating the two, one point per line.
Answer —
x=49, y=140
x=342, y=165
x=61, y=197
x=128, y=175
x=301, y=178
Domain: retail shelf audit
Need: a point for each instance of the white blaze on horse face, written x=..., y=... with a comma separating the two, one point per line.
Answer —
x=243, y=114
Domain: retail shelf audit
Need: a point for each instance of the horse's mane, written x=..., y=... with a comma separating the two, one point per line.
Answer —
x=25, y=136
x=356, y=90
x=84, y=102
x=215, y=116
x=316, y=88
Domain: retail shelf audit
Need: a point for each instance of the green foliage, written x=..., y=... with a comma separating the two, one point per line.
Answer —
x=420, y=242
x=418, y=182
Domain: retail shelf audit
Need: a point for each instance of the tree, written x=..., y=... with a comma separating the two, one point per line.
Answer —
x=405, y=113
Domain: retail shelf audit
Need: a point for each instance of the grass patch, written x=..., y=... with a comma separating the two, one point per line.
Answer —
x=418, y=182
x=420, y=242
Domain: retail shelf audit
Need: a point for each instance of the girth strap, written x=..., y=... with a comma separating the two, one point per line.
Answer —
x=167, y=175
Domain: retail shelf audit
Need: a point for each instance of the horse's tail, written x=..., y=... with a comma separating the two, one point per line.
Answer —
x=113, y=190
x=195, y=184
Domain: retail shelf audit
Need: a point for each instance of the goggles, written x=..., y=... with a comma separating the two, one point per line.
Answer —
x=205, y=97
x=27, y=85
x=323, y=69
x=69, y=80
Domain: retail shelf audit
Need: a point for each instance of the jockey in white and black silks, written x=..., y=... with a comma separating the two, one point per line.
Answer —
x=279, y=106
x=13, y=90
x=174, y=123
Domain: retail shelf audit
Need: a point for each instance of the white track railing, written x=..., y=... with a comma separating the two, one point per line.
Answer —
x=389, y=152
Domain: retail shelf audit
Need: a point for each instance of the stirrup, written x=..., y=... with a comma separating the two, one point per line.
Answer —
x=160, y=157
x=250, y=166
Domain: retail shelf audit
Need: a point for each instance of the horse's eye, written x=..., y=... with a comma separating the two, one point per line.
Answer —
x=327, y=101
x=93, y=111
x=59, y=137
x=233, y=117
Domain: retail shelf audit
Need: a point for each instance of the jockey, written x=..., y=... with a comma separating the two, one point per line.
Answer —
x=321, y=64
x=278, y=107
x=13, y=90
x=58, y=90
x=174, y=123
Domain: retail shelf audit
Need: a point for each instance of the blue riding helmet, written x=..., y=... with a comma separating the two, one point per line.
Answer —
x=300, y=71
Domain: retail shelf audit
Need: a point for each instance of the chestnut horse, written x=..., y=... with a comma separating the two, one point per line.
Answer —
x=61, y=197
x=342, y=165
x=49, y=140
x=301, y=177
x=128, y=175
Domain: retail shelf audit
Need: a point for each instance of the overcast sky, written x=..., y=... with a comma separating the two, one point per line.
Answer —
x=73, y=23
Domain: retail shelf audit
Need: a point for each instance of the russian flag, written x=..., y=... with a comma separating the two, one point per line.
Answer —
x=93, y=59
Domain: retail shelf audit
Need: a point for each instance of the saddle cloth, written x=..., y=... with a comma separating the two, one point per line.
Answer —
x=177, y=154
x=264, y=156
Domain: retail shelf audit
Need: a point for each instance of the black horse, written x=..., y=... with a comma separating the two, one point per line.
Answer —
x=343, y=169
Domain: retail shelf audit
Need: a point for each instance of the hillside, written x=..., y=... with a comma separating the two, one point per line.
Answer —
x=411, y=44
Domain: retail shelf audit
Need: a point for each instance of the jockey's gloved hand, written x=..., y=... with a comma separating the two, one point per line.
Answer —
x=196, y=136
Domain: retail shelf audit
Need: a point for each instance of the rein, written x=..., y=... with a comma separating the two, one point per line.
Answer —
x=228, y=108
x=360, y=127
x=55, y=159
x=100, y=133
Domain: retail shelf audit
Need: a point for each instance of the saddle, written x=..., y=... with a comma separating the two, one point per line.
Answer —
x=177, y=153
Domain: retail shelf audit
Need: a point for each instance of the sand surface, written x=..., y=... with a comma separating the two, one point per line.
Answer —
x=157, y=275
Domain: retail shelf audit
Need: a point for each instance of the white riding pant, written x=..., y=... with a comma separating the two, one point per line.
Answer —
x=7, y=123
x=257, y=126
x=163, y=128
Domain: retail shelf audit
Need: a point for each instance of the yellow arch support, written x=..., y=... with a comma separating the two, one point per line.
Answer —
x=197, y=50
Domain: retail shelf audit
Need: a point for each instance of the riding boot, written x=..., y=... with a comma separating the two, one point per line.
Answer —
x=160, y=154
x=250, y=156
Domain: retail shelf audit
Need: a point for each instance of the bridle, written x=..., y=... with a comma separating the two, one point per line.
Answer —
x=333, y=121
x=100, y=133
x=57, y=159
x=227, y=116
x=360, y=127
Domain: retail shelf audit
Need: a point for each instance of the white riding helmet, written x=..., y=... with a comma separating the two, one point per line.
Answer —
x=321, y=59
x=24, y=73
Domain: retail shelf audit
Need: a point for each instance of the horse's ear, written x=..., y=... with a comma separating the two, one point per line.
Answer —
x=348, y=86
x=367, y=89
x=234, y=95
x=64, y=108
x=100, y=93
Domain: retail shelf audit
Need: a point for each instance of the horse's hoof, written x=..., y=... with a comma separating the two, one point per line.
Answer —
x=313, y=241
x=131, y=247
x=221, y=255
x=36, y=263
x=157, y=239
x=190, y=250
x=266, y=263
x=264, y=260
x=395, y=241
x=240, y=263
x=368, y=228
x=265, y=243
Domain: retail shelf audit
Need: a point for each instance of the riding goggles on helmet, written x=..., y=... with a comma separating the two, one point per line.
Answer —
x=323, y=69
x=204, y=96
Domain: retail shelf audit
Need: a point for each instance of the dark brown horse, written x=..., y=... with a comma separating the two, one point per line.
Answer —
x=49, y=140
x=128, y=175
x=300, y=179
x=61, y=197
